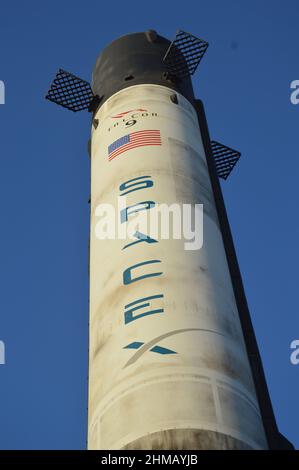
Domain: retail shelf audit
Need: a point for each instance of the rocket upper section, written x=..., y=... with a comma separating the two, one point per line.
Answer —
x=136, y=59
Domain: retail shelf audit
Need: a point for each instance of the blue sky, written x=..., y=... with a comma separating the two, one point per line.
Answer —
x=244, y=81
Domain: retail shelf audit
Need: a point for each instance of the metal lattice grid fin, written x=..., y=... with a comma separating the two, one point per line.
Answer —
x=184, y=54
x=70, y=91
x=225, y=158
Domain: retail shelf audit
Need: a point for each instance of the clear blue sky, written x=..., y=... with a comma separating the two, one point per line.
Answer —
x=244, y=81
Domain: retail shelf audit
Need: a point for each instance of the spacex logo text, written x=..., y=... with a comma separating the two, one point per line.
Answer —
x=150, y=224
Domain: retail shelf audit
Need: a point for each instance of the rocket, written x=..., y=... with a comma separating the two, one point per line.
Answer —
x=173, y=359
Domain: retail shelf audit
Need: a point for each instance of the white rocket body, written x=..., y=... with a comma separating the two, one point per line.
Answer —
x=168, y=368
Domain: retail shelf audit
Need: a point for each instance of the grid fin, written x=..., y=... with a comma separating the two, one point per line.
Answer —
x=225, y=159
x=70, y=91
x=184, y=54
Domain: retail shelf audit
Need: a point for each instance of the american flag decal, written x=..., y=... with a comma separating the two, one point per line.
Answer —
x=133, y=140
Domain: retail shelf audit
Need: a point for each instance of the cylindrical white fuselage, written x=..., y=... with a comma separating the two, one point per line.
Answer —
x=168, y=368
